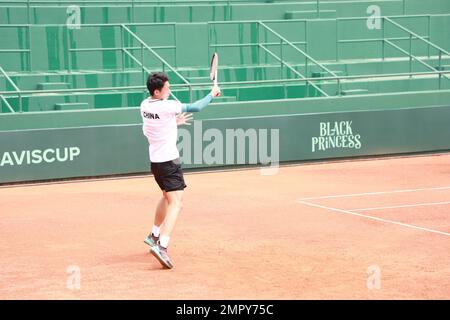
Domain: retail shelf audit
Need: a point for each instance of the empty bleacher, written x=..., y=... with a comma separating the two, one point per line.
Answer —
x=267, y=49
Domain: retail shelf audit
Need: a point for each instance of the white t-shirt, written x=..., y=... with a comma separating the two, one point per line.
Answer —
x=160, y=128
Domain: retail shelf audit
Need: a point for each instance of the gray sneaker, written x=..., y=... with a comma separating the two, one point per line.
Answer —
x=151, y=240
x=160, y=253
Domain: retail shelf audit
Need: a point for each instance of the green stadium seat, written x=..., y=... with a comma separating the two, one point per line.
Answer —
x=52, y=85
x=310, y=14
x=72, y=106
x=53, y=57
x=225, y=99
x=353, y=92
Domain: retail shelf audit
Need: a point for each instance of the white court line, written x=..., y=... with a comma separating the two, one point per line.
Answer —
x=373, y=193
x=375, y=218
x=402, y=206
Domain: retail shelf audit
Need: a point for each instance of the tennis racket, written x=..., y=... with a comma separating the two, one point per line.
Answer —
x=213, y=70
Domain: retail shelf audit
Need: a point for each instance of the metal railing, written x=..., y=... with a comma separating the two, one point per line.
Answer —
x=7, y=104
x=132, y=4
x=129, y=89
x=282, y=41
x=17, y=90
x=127, y=51
x=28, y=50
x=156, y=55
x=429, y=44
x=307, y=57
x=341, y=20
x=122, y=48
x=257, y=23
x=389, y=40
x=343, y=79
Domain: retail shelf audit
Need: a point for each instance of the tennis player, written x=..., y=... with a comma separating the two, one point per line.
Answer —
x=160, y=118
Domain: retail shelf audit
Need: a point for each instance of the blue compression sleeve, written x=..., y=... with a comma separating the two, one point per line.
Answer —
x=197, y=105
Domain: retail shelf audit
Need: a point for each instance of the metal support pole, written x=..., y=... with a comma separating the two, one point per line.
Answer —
x=69, y=51
x=281, y=59
x=440, y=69
x=306, y=36
x=175, y=43
x=337, y=40
x=29, y=49
x=20, y=103
x=28, y=12
x=383, y=43
x=122, y=47
x=410, y=55
x=258, y=41
x=429, y=29
x=306, y=67
x=142, y=63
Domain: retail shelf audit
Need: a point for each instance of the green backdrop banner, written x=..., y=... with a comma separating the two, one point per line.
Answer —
x=40, y=154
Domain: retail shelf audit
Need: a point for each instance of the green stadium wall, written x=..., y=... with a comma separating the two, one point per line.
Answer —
x=114, y=144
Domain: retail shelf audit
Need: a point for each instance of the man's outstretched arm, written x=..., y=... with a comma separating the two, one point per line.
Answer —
x=199, y=105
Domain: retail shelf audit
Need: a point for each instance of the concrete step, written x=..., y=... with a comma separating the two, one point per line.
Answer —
x=52, y=85
x=310, y=14
x=225, y=99
x=350, y=92
x=72, y=106
x=204, y=79
x=321, y=74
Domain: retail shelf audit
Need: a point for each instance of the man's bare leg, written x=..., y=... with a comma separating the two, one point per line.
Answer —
x=161, y=211
x=174, y=206
x=160, y=215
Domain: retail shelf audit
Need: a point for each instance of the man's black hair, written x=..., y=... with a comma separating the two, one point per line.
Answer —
x=156, y=81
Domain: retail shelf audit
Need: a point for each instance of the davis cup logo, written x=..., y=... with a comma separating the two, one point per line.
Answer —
x=37, y=156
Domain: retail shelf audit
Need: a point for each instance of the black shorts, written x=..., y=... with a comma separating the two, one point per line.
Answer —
x=168, y=175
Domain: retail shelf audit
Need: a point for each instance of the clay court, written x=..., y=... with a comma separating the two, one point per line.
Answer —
x=311, y=231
